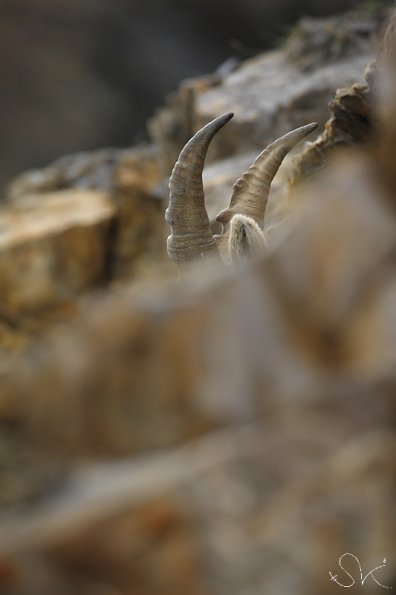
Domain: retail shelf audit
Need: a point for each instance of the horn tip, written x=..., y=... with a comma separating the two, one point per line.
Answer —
x=310, y=127
x=225, y=118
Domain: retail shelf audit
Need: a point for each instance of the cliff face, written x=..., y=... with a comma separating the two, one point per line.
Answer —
x=231, y=431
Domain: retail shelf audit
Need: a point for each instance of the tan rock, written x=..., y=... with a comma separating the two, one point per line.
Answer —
x=140, y=243
x=129, y=177
x=53, y=248
x=67, y=229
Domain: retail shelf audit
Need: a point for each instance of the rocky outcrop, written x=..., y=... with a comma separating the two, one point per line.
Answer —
x=273, y=92
x=80, y=224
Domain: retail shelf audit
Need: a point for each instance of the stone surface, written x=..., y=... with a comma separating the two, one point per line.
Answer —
x=350, y=123
x=82, y=223
x=54, y=248
x=140, y=243
x=62, y=196
x=95, y=170
x=273, y=92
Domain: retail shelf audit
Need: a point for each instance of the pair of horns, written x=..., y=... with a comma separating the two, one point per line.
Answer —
x=191, y=237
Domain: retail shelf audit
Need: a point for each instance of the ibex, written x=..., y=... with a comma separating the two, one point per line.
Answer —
x=191, y=236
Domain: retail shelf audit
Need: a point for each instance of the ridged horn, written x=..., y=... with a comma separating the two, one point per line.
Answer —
x=250, y=194
x=191, y=236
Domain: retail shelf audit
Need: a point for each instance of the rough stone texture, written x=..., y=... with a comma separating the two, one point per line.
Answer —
x=89, y=75
x=47, y=203
x=350, y=123
x=54, y=249
x=95, y=170
x=140, y=242
x=80, y=224
x=273, y=92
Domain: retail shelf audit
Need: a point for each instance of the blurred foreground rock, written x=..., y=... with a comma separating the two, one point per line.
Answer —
x=231, y=432
x=302, y=343
x=127, y=177
x=54, y=248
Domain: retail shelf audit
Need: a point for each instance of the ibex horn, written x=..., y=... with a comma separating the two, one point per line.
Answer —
x=191, y=237
x=250, y=194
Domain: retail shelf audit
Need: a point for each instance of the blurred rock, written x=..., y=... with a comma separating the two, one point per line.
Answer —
x=128, y=177
x=140, y=243
x=200, y=337
x=278, y=501
x=54, y=249
x=79, y=224
x=95, y=170
x=350, y=123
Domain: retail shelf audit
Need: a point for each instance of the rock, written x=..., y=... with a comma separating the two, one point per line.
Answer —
x=54, y=248
x=84, y=222
x=273, y=92
x=73, y=78
x=96, y=170
x=350, y=123
x=128, y=177
x=246, y=509
x=140, y=243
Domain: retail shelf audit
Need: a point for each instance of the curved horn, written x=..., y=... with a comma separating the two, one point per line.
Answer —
x=251, y=191
x=191, y=236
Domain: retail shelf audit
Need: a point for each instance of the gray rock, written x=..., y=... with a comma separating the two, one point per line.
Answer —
x=273, y=92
